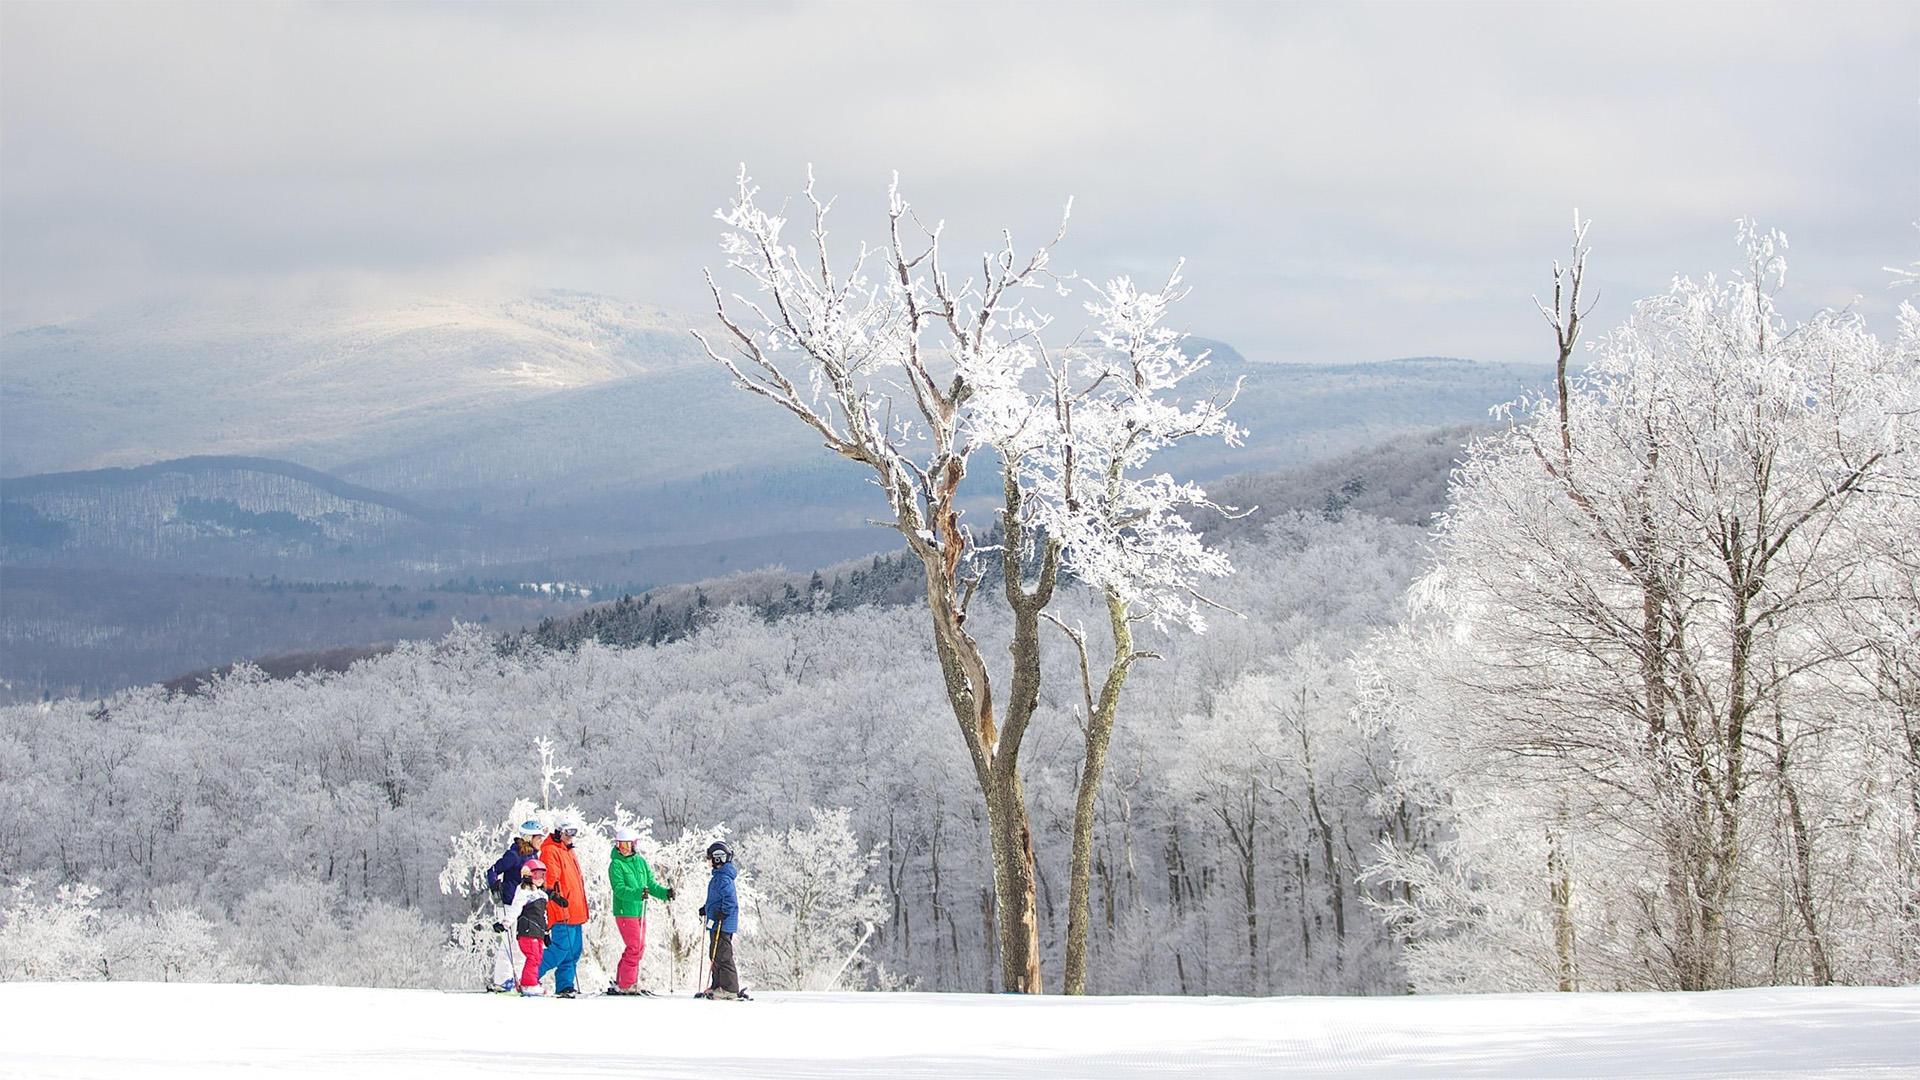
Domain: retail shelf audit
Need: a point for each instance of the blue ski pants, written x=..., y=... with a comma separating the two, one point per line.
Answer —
x=563, y=956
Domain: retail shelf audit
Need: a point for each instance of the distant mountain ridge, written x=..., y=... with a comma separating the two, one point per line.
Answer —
x=26, y=486
x=244, y=514
x=480, y=445
x=677, y=459
x=559, y=426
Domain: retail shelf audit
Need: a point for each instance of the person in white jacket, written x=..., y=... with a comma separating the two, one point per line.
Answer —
x=532, y=922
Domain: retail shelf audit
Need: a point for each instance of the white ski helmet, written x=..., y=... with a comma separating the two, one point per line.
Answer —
x=531, y=830
x=625, y=835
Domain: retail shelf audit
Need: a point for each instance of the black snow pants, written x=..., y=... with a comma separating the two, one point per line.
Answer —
x=725, y=977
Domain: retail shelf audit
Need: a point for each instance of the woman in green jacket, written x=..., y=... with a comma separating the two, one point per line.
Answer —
x=632, y=881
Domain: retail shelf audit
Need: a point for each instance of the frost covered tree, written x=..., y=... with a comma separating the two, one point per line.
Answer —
x=50, y=940
x=813, y=904
x=1276, y=784
x=886, y=371
x=912, y=374
x=302, y=932
x=1121, y=530
x=170, y=944
x=68, y=937
x=1645, y=606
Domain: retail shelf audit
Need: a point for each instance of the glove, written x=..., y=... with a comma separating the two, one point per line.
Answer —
x=499, y=927
x=703, y=911
x=669, y=892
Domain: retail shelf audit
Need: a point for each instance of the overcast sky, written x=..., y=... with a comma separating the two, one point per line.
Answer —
x=1347, y=182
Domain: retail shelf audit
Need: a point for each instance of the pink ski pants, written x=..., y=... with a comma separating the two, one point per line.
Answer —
x=531, y=948
x=633, y=931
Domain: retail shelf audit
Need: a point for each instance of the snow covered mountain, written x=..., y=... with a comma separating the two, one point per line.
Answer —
x=314, y=379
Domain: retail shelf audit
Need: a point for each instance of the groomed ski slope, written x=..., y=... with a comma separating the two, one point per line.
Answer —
x=135, y=1030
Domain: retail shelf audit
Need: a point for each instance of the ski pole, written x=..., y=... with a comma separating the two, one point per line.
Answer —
x=673, y=951
x=844, y=964
x=713, y=973
x=700, y=965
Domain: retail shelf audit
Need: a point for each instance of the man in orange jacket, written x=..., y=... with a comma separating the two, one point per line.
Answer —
x=569, y=928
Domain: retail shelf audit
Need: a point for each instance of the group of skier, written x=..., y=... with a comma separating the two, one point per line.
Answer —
x=541, y=908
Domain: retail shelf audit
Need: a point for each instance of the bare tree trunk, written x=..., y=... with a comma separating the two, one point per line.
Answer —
x=1240, y=837
x=1900, y=689
x=1100, y=716
x=1802, y=858
x=1560, y=891
x=1329, y=860
x=995, y=755
x=1016, y=905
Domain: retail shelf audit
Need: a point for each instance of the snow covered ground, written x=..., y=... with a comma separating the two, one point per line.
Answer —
x=133, y=1030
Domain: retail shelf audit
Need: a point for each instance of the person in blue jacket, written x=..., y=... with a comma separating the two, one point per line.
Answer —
x=722, y=915
x=503, y=878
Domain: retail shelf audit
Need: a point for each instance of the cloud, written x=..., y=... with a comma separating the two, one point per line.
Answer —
x=1347, y=181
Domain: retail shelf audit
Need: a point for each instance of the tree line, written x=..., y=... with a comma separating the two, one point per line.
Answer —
x=301, y=806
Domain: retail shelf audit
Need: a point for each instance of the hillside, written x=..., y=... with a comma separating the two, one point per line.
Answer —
x=120, y=577
x=89, y=632
x=1402, y=480
x=238, y=514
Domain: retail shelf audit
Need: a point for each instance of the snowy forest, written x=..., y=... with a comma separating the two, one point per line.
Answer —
x=1640, y=710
